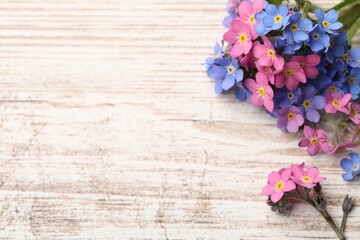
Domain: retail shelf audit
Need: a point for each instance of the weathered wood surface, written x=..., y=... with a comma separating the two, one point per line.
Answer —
x=110, y=130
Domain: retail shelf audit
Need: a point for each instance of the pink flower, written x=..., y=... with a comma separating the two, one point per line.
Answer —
x=247, y=13
x=290, y=76
x=262, y=93
x=278, y=184
x=354, y=112
x=336, y=102
x=314, y=141
x=290, y=119
x=307, y=178
x=270, y=72
x=267, y=56
x=248, y=60
x=308, y=64
x=238, y=35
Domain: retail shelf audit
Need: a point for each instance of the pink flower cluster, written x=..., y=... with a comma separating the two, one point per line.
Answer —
x=289, y=179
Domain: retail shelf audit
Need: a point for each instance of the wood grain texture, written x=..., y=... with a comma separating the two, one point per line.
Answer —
x=110, y=130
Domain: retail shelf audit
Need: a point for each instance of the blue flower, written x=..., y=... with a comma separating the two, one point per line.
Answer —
x=309, y=103
x=338, y=46
x=352, y=57
x=272, y=19
x=351, y=166
x=297, y=29
x=241, y=92
x=218, y=53
x=322, y=81
x=328, y=21
x=318, y=39
x=285, y=98
x=351, y=83
x=226, y=73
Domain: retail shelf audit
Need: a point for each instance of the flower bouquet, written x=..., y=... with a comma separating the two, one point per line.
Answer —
x=296, y=61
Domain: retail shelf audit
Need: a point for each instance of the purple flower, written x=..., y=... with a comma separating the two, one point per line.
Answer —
x=338, y=46
x=328, y=21
x=352, y=57
x=309, y=104
x=286, y=98
x=290, y=119
x=218, y=53
x=351, y=83
x=318, y=39
x=226, y=72
x=297, y=29
x=351, y=166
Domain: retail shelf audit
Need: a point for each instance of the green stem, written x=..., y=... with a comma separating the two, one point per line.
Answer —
x=324, y=213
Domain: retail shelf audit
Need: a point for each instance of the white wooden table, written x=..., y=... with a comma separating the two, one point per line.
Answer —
x=110, y=130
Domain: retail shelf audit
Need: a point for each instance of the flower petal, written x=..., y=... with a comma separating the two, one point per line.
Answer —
x=274, y=177
x=268, y=190
x=276, y=196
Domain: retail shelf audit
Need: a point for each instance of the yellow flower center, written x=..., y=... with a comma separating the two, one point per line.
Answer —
x=355, y=167
x=332, y=42
x=307, y=104
x=346, y=72
x=351, y=80
x=346, y=57
x=325, y=24
x=353, y=112
x=279, y=186
x=242, y=38
x=278, y=19
x=294, y=27
x=306, y=179
x=251, y=20
x=290, y=95
x=271, y=53
x=268, y=69
x=262, y=92
x=288, y=72
x=333, y=88
x=230, y=69
x=302, y=64
x=316, y=36
x=314, y=140
x=290, y=115
x=336, y=103
x=217, y=55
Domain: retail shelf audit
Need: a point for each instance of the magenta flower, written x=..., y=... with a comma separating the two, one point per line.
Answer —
x=290, y=76
x=308, y=64
x=238, y=35
x=290, y=119
x=247, y=13
x=314, y=141
x=307, y=178
x=278, y=184
x=266, y=55
x=247, y=61
x=337, y=102
x=262, y=93
x=354, y=112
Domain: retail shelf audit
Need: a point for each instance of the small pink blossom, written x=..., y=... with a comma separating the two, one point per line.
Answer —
x=248, y=60
x=290, y=76
x=262, y=93
x=314, y=141
x=247, y=13
x=306, y=178
x=290, y=119
x=238, y=35
x=336, y=102
x=270, y=72
x=308, y=64
x=278, y=184
x=354, y=112
x=267, y=56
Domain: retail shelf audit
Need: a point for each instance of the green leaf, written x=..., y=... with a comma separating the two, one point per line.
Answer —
x=348, y=16
x=344, y=3
x=352, y=31
x=276, y=2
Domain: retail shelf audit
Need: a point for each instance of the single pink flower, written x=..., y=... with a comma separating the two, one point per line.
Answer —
x=290, y=76
x=270, y=72
x=314, y=141
x=262, y=93
x=247, y=13
x=267, y=56
x=248, y=60
x=308, y=64
x=290, y=119
x=354, y=112
x=336, y=102
x=238, y=35
x=278, y=184
x=307, y=178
